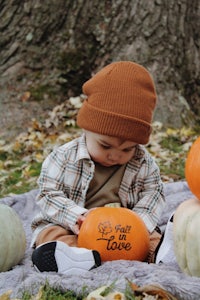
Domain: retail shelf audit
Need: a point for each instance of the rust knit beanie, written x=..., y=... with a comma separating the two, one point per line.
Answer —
x=120, y=102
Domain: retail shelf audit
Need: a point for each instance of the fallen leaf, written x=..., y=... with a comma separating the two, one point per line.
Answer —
x=76, y=101
x=39, y=295
x=25, y=97
x=6, y=296
x=153, y=290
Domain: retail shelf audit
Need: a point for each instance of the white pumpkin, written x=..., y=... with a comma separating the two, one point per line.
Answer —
x=12, y=238
x=186, y=234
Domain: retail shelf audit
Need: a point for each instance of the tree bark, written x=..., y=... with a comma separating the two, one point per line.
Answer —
x=54, y=46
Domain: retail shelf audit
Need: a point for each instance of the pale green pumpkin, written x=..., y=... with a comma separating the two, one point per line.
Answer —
x=186, y=236
x=12, y=238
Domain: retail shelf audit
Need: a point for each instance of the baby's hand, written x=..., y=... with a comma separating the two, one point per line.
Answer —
x=80, y=221
x=77, y=226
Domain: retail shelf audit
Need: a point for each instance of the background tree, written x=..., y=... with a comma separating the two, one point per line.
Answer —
x=49, y=48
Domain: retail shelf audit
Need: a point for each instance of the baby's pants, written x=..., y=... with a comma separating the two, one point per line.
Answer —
x=58, y=233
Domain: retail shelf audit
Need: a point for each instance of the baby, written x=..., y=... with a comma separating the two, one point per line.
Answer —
x=107, y=165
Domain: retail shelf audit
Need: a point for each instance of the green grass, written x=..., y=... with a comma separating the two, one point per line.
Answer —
x=174, y=166
x=47, y=292
x=172, y=143
x=17, y=177
x=175, y=171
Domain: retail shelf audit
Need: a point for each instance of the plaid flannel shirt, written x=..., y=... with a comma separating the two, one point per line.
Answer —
x=65, y=177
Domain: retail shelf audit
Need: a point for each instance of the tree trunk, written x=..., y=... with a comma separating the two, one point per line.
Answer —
x=50, y=47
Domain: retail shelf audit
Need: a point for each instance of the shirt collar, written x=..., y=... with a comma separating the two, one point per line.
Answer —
x=82, y=152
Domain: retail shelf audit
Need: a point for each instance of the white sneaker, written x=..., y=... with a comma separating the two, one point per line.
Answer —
x=63, y=259
x=165, y=252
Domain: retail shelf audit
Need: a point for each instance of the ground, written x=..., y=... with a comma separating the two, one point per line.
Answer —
x=18, y=107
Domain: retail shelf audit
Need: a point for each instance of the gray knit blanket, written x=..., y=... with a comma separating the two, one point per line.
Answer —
x=23, y=277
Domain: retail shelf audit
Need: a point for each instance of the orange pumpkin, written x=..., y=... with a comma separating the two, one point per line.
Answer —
x=116, y=233
x=192, y=168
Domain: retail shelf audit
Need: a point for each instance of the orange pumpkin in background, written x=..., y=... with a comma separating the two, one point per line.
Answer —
x=192, y=168
x=116, y=233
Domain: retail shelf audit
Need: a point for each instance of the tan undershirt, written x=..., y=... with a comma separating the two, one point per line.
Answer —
x=104, y=186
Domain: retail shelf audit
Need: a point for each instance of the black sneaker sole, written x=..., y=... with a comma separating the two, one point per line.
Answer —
x=58, y=257
x=44, y=258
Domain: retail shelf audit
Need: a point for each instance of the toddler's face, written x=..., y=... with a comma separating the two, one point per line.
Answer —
x=109, y=151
